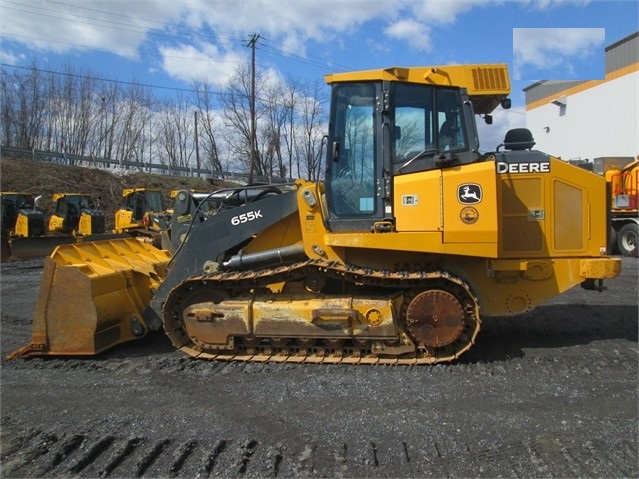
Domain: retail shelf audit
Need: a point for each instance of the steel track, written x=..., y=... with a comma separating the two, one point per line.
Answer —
x=348, y=353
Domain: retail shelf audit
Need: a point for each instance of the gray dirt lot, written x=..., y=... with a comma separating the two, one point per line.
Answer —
x=547, y=394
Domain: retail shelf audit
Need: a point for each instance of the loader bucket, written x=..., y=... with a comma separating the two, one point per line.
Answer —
x=93, y=296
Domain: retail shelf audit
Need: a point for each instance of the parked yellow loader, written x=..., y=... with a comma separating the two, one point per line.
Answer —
x=143, y=215
x=76, y=219
x=394, y=258
x=20, y=219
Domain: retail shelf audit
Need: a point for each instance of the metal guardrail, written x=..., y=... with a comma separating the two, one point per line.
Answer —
x=97, y=162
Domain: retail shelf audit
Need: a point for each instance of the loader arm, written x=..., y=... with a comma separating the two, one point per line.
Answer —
x=198, y=239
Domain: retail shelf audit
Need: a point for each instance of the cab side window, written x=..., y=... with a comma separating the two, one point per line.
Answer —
x=413, y=111
x=449, y=120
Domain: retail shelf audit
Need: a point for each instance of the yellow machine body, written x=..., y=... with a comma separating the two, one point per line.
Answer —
x=394, y=258
x=523, y=244
x=15, y=217
x=143, y=215
x=138, y=208
x=23, y=227
x=24, y=235
x=75, y=214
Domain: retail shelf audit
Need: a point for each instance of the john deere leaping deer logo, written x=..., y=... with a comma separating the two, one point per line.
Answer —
x=469, y=193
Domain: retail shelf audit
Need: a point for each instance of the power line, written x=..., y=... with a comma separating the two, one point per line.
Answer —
x=213, y=37
x=87, y=77
x=120, y=82
x=146, y=32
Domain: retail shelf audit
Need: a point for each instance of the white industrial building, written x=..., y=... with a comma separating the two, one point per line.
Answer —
x=579, y=120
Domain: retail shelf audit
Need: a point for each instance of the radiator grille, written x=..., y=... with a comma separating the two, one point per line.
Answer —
x=485, y=79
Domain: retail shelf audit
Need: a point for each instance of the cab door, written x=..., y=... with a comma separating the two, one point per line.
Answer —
x=355, y=155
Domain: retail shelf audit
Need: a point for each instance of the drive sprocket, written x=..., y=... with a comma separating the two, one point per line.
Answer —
x=443, y=318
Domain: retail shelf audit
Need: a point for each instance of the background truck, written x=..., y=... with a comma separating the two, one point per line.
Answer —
x=394, y=258
x=621, y=174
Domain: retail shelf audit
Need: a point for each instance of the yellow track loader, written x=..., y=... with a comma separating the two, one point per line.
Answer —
x=142, y=214
x=75, y=214
x=76, y=219
x=20, y=219
x=394, y=258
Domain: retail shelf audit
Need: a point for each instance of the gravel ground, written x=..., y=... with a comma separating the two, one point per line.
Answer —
x=553, y=393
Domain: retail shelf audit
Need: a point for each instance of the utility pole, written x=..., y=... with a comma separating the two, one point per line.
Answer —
x=251, y=44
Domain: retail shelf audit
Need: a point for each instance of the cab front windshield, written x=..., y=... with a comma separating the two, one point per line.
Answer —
x=154, y=201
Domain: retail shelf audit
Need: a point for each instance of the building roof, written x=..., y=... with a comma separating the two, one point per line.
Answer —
x=621, y=57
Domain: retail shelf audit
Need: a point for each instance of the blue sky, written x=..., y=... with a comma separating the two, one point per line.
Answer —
x=170, y=43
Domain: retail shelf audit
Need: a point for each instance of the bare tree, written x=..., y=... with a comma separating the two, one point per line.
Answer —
x=206, y=114
x=289, y=99
x=70, y=107
x=176, y=132
x=111, y=111
x=311, y=122
x=234, y=100
x=78, y=114
x=133, y=115
x=23, y=99
x=9, y=104
x=273, y=129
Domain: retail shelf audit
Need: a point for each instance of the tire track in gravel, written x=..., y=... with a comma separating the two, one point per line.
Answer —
x=566, y=363
x=114, y=457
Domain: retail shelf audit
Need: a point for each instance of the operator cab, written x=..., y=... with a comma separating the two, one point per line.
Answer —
x=380, y=129
x=11, y=204
x=141, y=201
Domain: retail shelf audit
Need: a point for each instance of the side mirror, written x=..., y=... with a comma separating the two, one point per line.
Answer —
x=488, y=119
x=506, y=103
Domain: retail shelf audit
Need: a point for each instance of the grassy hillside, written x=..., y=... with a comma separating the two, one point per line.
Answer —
x=104, y=185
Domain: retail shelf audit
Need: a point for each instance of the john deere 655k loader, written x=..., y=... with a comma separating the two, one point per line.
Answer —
x=412, y=237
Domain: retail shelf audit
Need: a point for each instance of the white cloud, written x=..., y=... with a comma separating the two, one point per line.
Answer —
x=10, y=59
x=414, y=33
x=288, y=24
x=546, y=48
x=490, y=136
x=548, y=4
x=187, y=63
x=119, y=26
x=445, y=12
x=127, y=28
x=122, y=26
x=189, y=33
